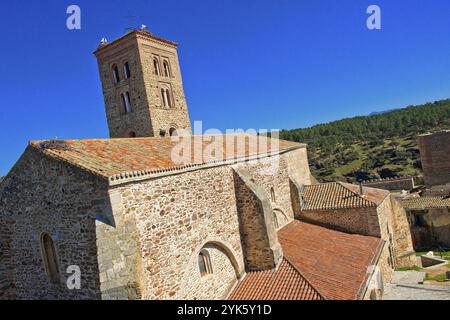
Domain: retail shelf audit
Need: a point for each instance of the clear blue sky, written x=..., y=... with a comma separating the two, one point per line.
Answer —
x=245, y=64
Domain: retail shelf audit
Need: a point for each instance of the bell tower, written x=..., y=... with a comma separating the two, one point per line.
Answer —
x=142, y=86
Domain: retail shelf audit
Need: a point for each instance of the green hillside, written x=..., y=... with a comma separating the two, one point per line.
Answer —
x=376, y=146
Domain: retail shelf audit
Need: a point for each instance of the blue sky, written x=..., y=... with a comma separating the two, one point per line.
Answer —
x=245, y=64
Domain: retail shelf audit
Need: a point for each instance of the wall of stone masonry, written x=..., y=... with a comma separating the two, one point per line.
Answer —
x=260, y=244
x=402, y=238
x=436, y=233
x=356, y=220
x=435, y=157
x=223, y=278
x=177, y=215
x=402, y=183
x=41, y=195
x=119, y=259
x=177, y=115
x=6, y=268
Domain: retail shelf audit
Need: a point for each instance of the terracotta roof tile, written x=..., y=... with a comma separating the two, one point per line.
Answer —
x=421, y=203
x=284, y=283
x=138, y=156
x=333, y=262
x=340, y=195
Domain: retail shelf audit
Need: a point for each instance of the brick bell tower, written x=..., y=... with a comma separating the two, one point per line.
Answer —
x=142, y=86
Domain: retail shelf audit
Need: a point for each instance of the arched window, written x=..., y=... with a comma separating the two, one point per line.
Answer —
x=272, y=194
x=156, y=66
x=126, y=102
x=166, y=68
x=165, y=93
x=126, y=70
x=173, y=132
x=116, y=73
x=204, y=263
x=49, y=255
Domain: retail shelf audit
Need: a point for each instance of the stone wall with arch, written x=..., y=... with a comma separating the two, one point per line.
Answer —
x=217, y=284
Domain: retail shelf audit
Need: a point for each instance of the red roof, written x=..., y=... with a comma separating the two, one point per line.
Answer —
x=334, y=263
x=141, y=156
x=284, y=283
x=340, y=195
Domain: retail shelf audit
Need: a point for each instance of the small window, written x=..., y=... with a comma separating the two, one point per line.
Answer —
x=126, y=102
x=166, y=68
x=49, y=255
x=204, y=263
x=126, y=70
x=156, y=69
x=173, y=132
x=116, y=74
x=272, y=194
x=165, y=93
x=132, y=134
x=162, y=133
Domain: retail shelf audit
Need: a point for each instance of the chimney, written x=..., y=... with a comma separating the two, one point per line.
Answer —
x=361, y=188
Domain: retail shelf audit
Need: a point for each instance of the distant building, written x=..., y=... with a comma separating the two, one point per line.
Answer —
x=429, y=218
x=435, y=157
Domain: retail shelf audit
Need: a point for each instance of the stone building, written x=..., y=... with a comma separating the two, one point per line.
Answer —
x=429, y=219
x=142, y=86
x=185, y=217
x=435, y=157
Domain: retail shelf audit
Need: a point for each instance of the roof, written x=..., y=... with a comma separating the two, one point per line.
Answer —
x=335, y=263
x=340, y=195
x=284, y=283
x=142, y=33
x=421, y=203
x=121, y=160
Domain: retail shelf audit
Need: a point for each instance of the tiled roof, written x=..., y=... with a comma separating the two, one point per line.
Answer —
x=421, y=203
x=334, y=263
x=284, y=283
x=340, y=195
x=134, y=158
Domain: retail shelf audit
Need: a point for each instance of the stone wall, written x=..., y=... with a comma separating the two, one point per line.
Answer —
x=41, y=195
x=260, y=244
x=401, y=183
x=435, y=157
x=119, y=259
x=357, y=220
x=436, y=231
x=402, y=238
x=6, y=268
x=177, y=215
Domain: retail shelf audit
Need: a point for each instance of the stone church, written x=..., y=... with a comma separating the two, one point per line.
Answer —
x=248, y=223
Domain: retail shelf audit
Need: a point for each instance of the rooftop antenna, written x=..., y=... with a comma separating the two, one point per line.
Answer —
x=131, y=21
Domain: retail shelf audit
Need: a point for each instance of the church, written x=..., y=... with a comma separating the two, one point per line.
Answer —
x=246, y=221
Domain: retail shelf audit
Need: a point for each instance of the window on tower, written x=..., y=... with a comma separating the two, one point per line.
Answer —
x=165, y=93
x=126, y=102
x=166, y=68
x=116, y=74
x=156, y=66
x=126, y=70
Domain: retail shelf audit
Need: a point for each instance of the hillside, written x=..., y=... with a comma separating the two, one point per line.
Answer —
x=375, y=146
